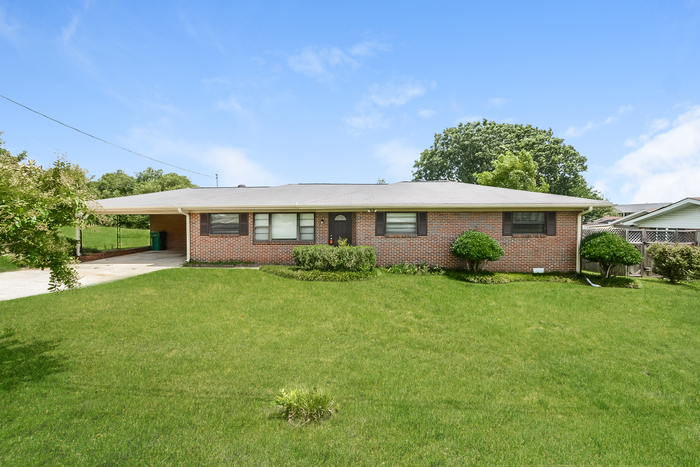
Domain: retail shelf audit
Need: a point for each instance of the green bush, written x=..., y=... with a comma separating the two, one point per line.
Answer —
x=477, y=248
x=329, y=258
x=675, y=262
x=302, y=406
x=609, y=250
x=293, y=272
x=415, y=269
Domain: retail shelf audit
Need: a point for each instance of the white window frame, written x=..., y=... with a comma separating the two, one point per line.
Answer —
x=263, y=224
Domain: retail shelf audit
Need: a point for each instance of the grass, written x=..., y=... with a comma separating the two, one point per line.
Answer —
x=181, y=367
x=194, y=264
x=100, y=238
x=6, y=264
x=294, y=272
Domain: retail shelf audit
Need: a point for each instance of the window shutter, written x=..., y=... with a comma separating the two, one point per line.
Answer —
x=243, y=224
x=551, y=223
x=204, y=225
x=380, y=224
x=422, y=227
x=507, y=224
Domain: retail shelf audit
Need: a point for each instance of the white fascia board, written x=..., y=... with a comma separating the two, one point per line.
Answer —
x=669, y=208
x=304, y=208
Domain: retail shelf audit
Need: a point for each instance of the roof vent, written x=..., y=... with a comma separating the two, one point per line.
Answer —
x=241, y=186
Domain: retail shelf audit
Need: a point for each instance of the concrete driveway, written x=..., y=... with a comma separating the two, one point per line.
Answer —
x=26, y=282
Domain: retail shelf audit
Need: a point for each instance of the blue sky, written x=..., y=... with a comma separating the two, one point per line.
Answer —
x=273, y=93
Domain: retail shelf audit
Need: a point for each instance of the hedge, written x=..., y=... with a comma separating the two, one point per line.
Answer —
x=329, y=258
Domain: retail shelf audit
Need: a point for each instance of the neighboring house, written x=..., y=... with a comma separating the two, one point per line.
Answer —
x=602, y=222
x=405, y=222
x=625, y=210
x=683, y=214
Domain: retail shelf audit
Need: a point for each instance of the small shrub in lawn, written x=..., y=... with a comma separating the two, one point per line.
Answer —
x=609, y=250
x=477, y=249
x=415, y=270
x=293, y=272
x=302, y=406
x=341, y=258
x=675, y=262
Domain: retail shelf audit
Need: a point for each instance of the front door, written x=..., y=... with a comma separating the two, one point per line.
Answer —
x=339, y=226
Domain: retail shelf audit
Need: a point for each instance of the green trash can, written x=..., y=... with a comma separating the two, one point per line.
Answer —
x=158, y=241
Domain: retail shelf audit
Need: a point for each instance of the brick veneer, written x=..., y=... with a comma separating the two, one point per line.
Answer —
x=522, y=253
x=175, y=225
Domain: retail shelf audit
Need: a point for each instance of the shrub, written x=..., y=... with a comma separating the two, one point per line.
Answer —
x=302, y=406
x=293, y=272
x=415, y=270
x=675, y=262
x=329, y=258
x=609, y=250
x=477, y=248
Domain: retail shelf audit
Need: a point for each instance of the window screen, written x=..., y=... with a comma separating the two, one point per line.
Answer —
x=226, y=224
x=401, y=223
x=529, y=223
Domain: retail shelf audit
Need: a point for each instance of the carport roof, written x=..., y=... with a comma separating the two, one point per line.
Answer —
x=416, y=195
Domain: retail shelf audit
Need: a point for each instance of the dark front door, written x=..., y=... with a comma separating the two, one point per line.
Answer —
x=339, y=226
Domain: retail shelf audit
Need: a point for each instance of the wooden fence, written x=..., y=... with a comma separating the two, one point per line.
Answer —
x=641, y=239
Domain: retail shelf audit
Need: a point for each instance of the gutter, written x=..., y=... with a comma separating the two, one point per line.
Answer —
x=578, y=237
x=187, y=235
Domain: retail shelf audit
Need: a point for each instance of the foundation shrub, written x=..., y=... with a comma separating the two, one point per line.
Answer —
x=675, y=262
x=609, y=250
x=328, y=258
x=477, y=249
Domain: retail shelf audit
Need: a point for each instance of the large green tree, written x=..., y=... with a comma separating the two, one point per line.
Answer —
x=514, y=171
x=461, y=152
x=34, y=204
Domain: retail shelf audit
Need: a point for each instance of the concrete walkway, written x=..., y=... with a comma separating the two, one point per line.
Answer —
x=26, y=282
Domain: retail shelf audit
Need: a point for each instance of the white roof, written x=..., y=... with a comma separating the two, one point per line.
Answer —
x=402, y=196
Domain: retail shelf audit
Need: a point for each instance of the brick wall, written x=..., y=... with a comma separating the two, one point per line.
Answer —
x=175, y=225
x=522, y=253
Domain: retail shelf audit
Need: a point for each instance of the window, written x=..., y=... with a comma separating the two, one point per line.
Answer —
x=528, y=223
x=227, y=224
x=401, y=223
x=281, y=227
x=533, y=223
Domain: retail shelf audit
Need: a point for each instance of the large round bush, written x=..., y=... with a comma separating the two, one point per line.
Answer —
x=609, y=250
x=675, y=262
x=477, y=249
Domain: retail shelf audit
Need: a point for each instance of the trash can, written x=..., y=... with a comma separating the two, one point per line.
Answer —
x=158, y=241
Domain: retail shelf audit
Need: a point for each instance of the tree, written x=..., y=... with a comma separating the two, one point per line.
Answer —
x=609, y=250
x=462, y=152
x=518, y=172
x=477, y=249
x=34, y=204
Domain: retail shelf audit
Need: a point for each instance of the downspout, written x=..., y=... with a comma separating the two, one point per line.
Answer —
x=578, y=237
x=187, y=216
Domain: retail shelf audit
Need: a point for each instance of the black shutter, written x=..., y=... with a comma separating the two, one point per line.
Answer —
x=551, y=223
x=243, y=224
x=507, y=224
x=380, y=224
x=422, y=224
x=204, y=225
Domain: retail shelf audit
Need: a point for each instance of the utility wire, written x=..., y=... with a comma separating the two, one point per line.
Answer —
x=104, y=141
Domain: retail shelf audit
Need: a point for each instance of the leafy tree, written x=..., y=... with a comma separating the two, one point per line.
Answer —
x=675, y=262
x=515, y=171
x=609, y=250
x=477, y=249
x=34, y=204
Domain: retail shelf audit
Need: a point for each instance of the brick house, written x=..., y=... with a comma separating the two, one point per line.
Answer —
x=405, y=222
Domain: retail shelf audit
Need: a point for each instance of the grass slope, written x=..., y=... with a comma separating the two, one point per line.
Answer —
x=180, y=367
x=6, y=264
x=100, y=238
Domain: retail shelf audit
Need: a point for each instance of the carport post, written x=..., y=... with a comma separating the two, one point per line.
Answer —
x=78, y=237
x=187, y=234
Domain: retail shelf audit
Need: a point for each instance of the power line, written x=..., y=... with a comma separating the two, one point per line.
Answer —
x=104, y=141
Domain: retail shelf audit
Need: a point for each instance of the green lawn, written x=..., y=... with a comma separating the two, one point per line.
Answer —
x=179, y=367
x=6, y=264
x=100, y=238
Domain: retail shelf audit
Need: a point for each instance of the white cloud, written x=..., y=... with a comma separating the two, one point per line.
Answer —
x=232, y=104
x=317, y=63
x=368, y=113
x=368, y=49
x=666, y=167
x=497, y=102
x=426, y=113
x=398, y=158
x=8, y=28
x=235, y=167
x=68, y=32
x=659, y=124
x=574, y=131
